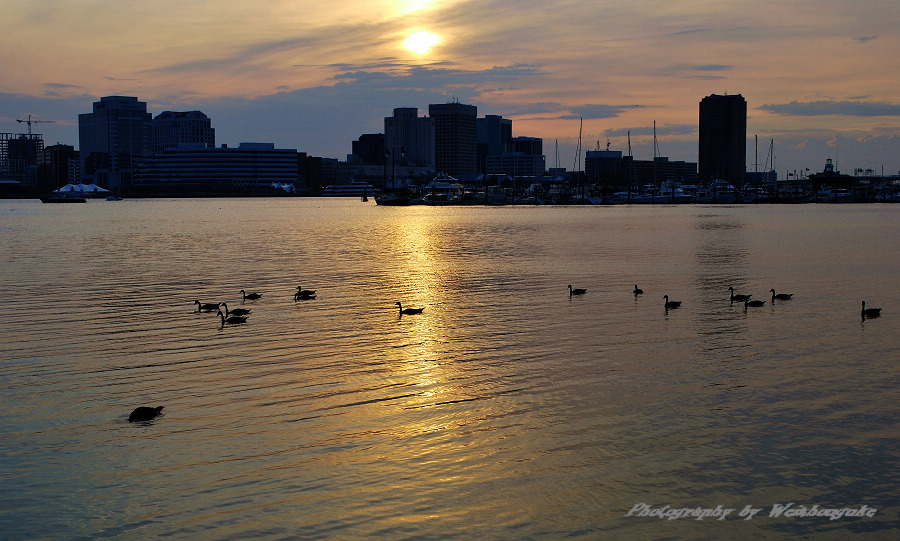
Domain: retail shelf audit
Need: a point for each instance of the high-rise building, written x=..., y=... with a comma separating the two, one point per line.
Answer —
x=723, y=138
x=454, y=138
x=408, y=138
x=493, y=135
x=172, y=128
x=113, y=140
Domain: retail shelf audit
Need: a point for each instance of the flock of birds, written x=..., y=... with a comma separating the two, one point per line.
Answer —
x=240, y=315
x=735, y=297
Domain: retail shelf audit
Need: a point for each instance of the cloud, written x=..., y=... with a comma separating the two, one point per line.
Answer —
x=844, y=108
x=865, y=39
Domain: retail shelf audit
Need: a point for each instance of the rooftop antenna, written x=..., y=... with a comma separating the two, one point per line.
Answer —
x=30, y=122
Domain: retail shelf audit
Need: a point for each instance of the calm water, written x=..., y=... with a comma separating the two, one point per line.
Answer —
x=507, y=410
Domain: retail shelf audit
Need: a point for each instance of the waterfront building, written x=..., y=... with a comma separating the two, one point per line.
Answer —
x=409, y=139
x=173, y=128
x=610, y=169
x=493, y=137
x=251, y=168
x=54, y=167
x=723, y=138
x=516, y=164
x=369, y=148
x=113, y=140
x=454, y=138
x=19, y=155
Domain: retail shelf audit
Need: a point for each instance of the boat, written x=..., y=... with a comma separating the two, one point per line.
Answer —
x=834, y=195
x=63, y=197
x=443, y=191
x=719, y=191
x=672, y=193
x=393, y=199
x=353, y=189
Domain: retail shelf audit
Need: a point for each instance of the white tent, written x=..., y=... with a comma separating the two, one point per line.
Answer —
x=81, y=189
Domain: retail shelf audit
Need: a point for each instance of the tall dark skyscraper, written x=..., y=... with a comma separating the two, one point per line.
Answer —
x=113, y=140
x=454, y=138
x=723, y=138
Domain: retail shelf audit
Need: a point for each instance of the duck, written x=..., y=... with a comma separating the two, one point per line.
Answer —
x=749, y=302
x=251, y=296
x=738, y=298
x=144, y=413
x=671, y=304
x=781, y=296
x=577, y=291
x=206, y=306
x=637, y=290
x=232, y=320
x=236, y=311
x=408, y=310
x=870, y=312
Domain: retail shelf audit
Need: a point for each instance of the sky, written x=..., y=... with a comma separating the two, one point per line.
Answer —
x=821, y=77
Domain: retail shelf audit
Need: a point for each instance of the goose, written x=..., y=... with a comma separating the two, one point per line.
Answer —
x=232, y=320
x=671, y=304
x=637, y=290
x=408, y=310
x=748, y=302
x=738, y=298
x=236, y=311
x=781, y=296
x=577, y=291
x=144, y=413
x=251, y=296
x=304, y=294
x=870, y=312
x=206, y=306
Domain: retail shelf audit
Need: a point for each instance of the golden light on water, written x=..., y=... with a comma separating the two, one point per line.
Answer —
x=421, y=42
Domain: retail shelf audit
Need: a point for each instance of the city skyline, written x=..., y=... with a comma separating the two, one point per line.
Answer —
x=819, y=78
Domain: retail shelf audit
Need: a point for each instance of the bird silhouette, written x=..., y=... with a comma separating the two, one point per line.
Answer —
x=409, y=310
x=206, y=306
x=749, y=302
x=144, y=413
x=236, y=311
x=251, y=296
x=738, y=298
x=637, y=290
x=671, y=304
x=577, y=291
x=781, y=296
x=870, y=312
x=232, y=320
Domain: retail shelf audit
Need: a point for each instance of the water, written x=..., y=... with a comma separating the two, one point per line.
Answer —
x=507, y=410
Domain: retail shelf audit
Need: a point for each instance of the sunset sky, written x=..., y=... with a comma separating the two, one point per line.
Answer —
x=821, y=78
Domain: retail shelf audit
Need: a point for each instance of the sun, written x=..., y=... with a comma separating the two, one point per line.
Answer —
x=421, y=42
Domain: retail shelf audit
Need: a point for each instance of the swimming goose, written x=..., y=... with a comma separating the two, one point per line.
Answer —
x=251, y=296
x=577, y=291
x=304, y=294
x=144, y=413
x=748, y=302
x=671, y=304
x=738, y=298
x=206, y=306
x=781, y=296
x=232, y=320
x=409, y=310
x=870, y=312
x=236, y=311
x=637, y=290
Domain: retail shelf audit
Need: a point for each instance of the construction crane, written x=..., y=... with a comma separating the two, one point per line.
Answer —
x=30, y=122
